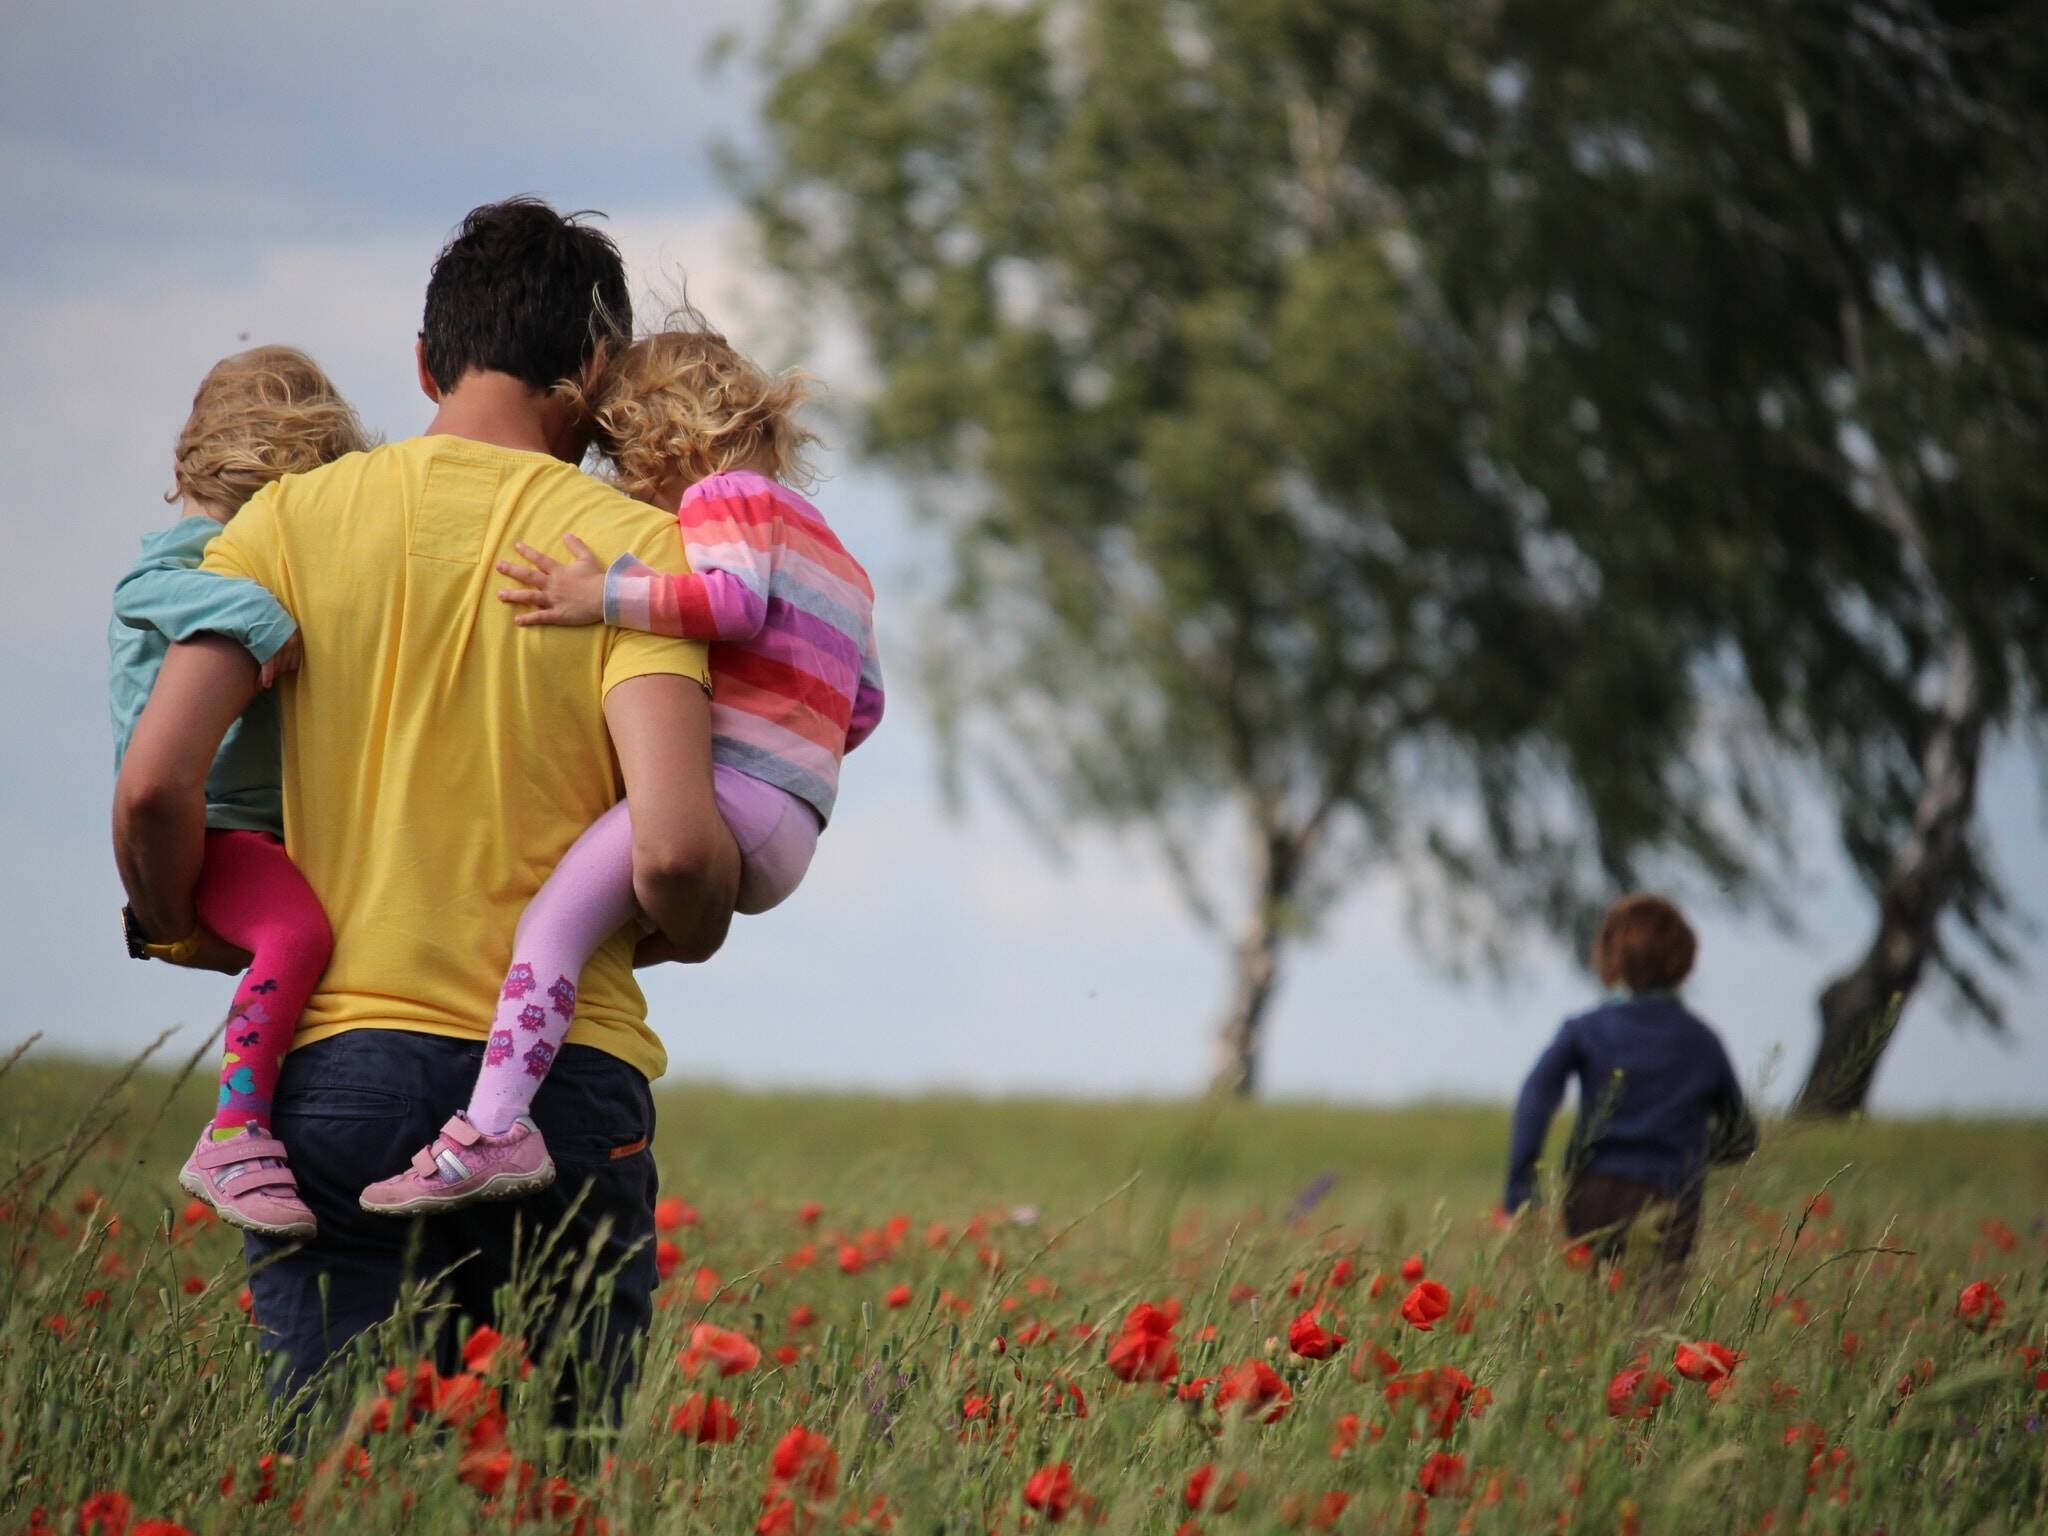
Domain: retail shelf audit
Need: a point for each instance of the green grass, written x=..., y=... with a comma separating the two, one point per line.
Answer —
x=1058, y=1218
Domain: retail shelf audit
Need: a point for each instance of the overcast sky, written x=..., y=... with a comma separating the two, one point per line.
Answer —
x=176, y=190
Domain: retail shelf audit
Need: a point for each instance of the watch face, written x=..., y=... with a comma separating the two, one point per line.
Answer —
x=131, y=930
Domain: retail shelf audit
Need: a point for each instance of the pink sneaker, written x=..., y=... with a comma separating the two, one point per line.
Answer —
x=463, y=1166
x=247, y=1179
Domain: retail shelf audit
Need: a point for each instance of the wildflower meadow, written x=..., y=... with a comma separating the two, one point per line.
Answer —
x=942, y=1316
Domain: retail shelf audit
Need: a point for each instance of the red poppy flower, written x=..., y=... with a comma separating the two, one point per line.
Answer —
x=197, y=1213
x=1144, y=1350
x=806, y=1459
x=801, y=1316
x=1255, y=1389
x=1204, y=1492
x=486, y=1471
x=1442, y=1473
x=1329, y=1510
x=104, y=1514
x=733, y=1353
x=673, y=1213
x=810, y=1212
x=1635, y=1393
x=1426, y=1305
x=1051, y=1491
x=897, y=1296
x=1411, y=1268
x=1446, y=1393
x=781, y=1515
x=483, y=1348
x=1704, y=1361
x=1308, y=1338
x=666, y=1257
x=1346, y=1436
x=851, y=1260
x=1979, y=1306
x=705, y=1419
x=193, y=1285
x=158, y=1528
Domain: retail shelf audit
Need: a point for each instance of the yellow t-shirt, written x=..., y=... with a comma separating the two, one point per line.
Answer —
x=439, y=761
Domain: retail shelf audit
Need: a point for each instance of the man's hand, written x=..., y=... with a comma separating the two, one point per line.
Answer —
x=215, y=954
x=288, y=657
x=657, y=949
x=554, y=591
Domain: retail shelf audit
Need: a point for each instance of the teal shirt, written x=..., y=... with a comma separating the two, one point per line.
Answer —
x=166, y=598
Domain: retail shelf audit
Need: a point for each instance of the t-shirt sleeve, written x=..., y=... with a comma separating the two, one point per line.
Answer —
x=631, y=653
x=250, y=547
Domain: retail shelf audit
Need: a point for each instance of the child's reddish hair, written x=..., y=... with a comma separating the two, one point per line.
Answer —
x=1644, y=944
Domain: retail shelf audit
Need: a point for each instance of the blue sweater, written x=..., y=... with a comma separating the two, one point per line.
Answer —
x=1658, y=1098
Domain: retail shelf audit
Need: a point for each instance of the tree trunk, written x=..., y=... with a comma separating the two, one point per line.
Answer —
x=1255, y=974
x=1255, y=964
x=1860, y=1009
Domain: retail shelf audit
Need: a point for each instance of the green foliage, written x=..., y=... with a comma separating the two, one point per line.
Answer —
x=1481, y=441
x=151, y=1387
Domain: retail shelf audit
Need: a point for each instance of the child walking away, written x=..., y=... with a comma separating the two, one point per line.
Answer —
x=1658, y=1100
x=257, y=417
x=692, y=425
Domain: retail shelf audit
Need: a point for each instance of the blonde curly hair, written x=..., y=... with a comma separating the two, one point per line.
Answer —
x=257, y=417
x=683, y=401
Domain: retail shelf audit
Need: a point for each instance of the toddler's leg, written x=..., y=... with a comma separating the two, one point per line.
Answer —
x=252, y=895
x=586, y=900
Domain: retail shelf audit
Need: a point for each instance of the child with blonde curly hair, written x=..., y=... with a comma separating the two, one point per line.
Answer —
x=691, y=424
x=257, y=417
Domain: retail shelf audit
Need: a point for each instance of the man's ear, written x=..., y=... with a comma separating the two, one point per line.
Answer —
x=427, y=385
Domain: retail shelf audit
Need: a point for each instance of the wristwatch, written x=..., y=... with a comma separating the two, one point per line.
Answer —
x=140, y=946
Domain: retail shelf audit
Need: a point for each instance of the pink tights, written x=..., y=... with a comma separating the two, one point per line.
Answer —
x=252, y=895
x=589, y=898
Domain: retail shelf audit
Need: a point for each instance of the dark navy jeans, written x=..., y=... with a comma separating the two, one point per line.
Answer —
x=355, y=1107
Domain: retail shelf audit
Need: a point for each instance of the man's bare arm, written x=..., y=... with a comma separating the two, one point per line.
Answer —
x=686, y=867
x=160, y=799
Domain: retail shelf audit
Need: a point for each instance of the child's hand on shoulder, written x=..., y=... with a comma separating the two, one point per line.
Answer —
x=287, y=658
x=556, y=591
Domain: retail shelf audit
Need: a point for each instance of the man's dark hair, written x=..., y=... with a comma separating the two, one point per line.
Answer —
x=524, y=290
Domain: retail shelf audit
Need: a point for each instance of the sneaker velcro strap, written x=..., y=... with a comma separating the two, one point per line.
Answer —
x=254, y=1176
x=461, y=1132
x=246, y=1148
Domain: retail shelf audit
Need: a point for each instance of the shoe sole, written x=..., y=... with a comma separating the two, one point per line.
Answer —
x=196, y=1188
x=499, y=1186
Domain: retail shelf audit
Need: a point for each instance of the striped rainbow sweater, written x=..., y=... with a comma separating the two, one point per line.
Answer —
x=795, y=682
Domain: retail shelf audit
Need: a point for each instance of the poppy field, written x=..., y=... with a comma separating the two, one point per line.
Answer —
x=946, y=1316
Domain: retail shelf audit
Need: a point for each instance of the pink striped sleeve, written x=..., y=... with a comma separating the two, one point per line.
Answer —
x=867, y=699
x=730, y=534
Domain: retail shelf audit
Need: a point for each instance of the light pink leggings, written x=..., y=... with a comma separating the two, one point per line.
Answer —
x=589, y=898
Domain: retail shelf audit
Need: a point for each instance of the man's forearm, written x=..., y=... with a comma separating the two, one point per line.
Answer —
x=689, y=896
x=160, y=800
x=159, y=844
